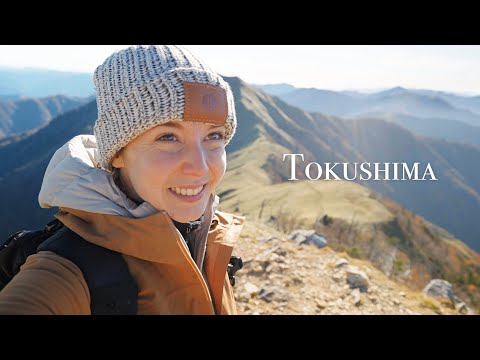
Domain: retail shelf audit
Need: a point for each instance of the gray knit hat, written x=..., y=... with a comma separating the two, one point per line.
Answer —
x=144, y=86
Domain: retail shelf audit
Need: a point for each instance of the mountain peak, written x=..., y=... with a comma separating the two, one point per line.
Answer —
x=398, y=90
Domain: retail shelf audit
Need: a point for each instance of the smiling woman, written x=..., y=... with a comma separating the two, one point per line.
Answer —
x=174, y=166
x=140, y=232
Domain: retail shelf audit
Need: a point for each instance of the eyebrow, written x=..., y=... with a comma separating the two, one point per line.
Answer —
x=176, y=125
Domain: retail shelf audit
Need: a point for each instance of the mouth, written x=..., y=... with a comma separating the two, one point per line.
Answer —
x=189, y=194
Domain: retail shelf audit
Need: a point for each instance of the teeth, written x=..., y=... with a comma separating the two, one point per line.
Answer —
x=187, y=192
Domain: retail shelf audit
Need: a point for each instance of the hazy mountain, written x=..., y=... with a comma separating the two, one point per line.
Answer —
x=18, y=116
x=325, y=101
x=389, y=92
x=471, y=103
x=416, y=103
x=276, y=89
x=41, y=83
x=422, y=106
x=451, y=130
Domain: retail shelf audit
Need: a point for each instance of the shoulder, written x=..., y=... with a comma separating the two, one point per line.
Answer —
x=46, y=284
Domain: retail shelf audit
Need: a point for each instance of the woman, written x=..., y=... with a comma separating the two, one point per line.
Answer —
x=143, y=186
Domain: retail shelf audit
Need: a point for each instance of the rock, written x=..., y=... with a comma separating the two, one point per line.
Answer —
x=356, y=297
x=281, y=252
x=257, y=270
x=341, y=262
x=271, y=293
x=402, y=294
x=320, y=304
x=251, y=289
x=440, y=289
x=462, y=308
x=304, y=237
x=357, y=279
x=318, y=241
x=300, y=235
x=297, y=281
x=265, y=239
x=337, y=277
x=396, y=302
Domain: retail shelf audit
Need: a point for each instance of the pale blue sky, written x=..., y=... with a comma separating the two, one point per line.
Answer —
x=336, y=67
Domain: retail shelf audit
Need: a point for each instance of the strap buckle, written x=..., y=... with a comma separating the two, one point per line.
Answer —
x=234, y=265
x=53, y=226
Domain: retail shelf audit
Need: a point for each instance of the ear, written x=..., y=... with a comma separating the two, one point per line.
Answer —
x=118, y=162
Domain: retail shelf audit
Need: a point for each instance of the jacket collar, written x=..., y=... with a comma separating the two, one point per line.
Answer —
x=153, y=238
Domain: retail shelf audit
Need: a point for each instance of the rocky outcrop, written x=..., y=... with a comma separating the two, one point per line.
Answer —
x=306, y=237
x=281, y=277
x=442, y=289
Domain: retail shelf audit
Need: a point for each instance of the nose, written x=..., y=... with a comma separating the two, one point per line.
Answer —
x=195, y=161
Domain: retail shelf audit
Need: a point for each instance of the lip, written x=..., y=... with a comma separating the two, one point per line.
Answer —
x=190, y=199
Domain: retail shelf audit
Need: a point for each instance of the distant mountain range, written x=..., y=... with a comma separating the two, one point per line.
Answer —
x=424, y=112
x=41, y=83
x=452, y=130
x=24, y=114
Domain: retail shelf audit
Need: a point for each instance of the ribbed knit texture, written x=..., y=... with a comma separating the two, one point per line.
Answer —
x=141, y=87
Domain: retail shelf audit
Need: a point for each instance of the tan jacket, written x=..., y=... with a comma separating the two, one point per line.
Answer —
x=168, y=279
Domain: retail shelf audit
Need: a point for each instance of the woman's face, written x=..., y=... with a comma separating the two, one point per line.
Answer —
x=168, y=164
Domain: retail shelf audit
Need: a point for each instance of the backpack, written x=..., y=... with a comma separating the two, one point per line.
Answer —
x=113, y=291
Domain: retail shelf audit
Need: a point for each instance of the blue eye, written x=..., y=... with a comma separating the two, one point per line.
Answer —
x=166, y=135
x=220, y=137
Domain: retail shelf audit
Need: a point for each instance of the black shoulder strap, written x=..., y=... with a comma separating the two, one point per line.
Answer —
x=113, y=291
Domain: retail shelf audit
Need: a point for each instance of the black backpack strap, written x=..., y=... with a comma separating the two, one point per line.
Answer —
x=113, y=291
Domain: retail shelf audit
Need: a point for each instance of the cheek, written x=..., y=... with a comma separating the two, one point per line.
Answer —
x=218, y=164
x=151, y=171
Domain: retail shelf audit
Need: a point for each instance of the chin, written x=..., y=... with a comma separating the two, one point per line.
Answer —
x=183, y=216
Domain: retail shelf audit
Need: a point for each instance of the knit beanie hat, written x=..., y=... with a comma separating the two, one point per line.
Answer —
x=144, y=86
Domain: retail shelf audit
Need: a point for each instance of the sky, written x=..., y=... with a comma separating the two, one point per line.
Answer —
x=335, y=67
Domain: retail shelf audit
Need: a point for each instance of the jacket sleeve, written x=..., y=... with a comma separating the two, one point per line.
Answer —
x=47, y=284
